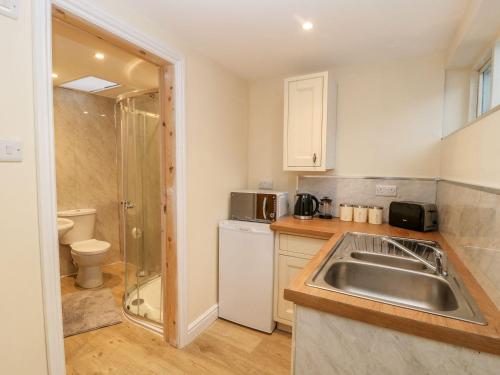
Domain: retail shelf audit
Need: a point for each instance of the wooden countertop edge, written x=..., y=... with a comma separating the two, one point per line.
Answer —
x=452, y=331
x=324, y=233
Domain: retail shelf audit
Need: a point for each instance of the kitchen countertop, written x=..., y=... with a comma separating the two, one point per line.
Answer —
x=474, y=336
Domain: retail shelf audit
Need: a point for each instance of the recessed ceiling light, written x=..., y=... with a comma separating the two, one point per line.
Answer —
x=103, y=115
x=55, y=75
x=99, y=56
x=85, y=112
x=307, y=25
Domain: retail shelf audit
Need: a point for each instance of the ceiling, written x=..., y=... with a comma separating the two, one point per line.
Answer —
x=479, y=31
x=73, y=58
x=263, y=38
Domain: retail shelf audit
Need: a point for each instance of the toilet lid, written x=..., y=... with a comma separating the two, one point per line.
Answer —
x=89, y=247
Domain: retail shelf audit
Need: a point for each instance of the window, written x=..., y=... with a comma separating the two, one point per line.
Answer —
x=484, y=89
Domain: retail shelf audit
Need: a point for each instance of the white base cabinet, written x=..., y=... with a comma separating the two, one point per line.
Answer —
x=288, y=269
x=292, y=253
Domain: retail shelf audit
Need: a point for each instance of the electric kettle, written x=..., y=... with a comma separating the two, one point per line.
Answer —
x=306, y=206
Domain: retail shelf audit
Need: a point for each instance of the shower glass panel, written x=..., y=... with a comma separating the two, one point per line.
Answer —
x=139, y=121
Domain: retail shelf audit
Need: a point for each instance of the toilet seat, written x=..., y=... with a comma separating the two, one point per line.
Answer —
x=90, y=247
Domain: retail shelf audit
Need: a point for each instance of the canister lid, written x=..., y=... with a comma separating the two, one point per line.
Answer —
x=345, y=205
x=360, y=206
x=376, y=207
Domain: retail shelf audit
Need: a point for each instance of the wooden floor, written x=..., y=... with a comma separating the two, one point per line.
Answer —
x=224, y=348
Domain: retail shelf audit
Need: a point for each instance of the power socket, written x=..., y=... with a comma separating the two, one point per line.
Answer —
x=386, y=190
x=266, y=185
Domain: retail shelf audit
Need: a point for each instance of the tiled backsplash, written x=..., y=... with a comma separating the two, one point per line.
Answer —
x=362, y=190
x=470, y=222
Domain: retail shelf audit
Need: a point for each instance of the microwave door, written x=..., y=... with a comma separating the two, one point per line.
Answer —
x=243, y=206
x=265, y=207
x=261, y=207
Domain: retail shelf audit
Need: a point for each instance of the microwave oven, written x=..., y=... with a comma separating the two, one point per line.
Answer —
x=262, y=206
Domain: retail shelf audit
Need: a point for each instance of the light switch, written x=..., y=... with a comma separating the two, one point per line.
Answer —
x=11, y=150
x=9, y=8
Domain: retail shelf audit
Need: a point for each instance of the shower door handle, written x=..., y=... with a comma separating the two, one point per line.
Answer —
x=128, y=204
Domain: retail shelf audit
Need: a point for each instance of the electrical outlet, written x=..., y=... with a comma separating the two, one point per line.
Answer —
x=266, y=185
x=386, y=190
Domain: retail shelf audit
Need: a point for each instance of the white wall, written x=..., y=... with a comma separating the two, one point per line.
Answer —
x=472, y=154
x=456, y=99
x=22, y=343
x=265, y=137
x=390, y=118
x=389, y=122
x=217, y=113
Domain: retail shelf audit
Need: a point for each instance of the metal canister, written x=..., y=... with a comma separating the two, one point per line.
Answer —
x=375, y=214
x=360, y=213
x=346, y=212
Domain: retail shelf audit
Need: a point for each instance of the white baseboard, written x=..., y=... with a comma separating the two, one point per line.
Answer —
x=201, y=323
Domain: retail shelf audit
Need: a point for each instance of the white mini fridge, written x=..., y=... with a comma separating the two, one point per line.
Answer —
x=246, y=268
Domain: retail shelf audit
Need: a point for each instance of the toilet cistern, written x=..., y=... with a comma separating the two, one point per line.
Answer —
x=64, y=226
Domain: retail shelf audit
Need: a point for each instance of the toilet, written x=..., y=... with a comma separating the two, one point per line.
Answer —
x=88, y=253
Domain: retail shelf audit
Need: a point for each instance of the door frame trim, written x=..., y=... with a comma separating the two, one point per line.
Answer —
x=45, y=163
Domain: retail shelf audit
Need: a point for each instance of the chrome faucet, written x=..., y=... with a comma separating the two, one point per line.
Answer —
x=441, y=260
x=441, y=267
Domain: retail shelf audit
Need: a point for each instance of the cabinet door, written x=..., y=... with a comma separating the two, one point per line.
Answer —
x=304, y=122
x=288, y=268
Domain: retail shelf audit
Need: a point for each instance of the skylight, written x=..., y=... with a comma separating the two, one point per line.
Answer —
x=90, y=84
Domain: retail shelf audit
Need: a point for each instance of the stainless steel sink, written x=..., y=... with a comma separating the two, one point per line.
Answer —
x=388, y=260
x=397, y=271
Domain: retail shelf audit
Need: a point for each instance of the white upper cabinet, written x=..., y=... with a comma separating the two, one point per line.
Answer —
x=310, y=119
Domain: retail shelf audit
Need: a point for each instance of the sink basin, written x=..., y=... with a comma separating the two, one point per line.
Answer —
x=367, y=266
x=64, y=226
x=388, y=260
x=422, y=291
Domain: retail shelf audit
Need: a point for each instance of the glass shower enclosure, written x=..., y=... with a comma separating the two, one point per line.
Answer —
x=137, y=115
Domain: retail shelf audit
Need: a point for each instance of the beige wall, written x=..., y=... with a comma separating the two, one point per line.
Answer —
x=216, y=164
x=472, y=155
x=86, y=165
x=22, y=344
x=456, y=99
x=389, y=122
x=390, y=118
x=265, y=137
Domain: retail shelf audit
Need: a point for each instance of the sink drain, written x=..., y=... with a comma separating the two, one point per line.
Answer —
x=137, y=302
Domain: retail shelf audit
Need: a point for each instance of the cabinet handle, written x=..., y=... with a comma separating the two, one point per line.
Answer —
x=314, y=158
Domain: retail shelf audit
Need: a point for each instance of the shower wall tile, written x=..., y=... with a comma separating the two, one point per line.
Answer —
x=362, y=190
x=470, y=221
x=86, y=164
